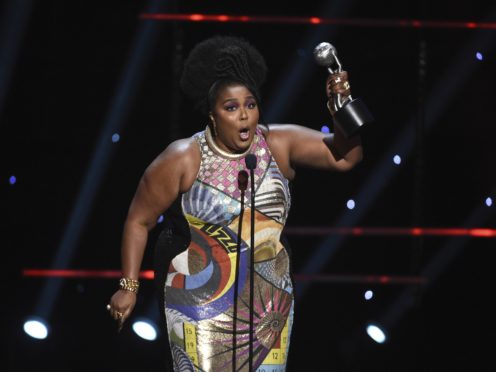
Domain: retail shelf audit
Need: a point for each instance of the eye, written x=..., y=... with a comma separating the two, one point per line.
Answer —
x=251, y=105
x=230, y=107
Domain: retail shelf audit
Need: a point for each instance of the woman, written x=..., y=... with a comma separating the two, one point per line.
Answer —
x=208, y=315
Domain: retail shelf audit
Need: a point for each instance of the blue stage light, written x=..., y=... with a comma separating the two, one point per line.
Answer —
x=350, y=204
x=376, y=333
x=36, y=328
x=115, y=137
x=146, y=329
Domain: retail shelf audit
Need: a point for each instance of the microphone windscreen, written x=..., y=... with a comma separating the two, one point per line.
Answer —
x=251, y=161
x=243, y=180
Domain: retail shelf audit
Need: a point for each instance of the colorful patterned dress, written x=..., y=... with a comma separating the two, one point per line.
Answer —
x=199, y=289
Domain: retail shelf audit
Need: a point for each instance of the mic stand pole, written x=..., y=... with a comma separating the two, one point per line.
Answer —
x=242, y=183
x=251, y=161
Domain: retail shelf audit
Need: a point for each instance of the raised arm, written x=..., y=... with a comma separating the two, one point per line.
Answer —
x=171, y=173
x=308, y=147
x=295, y=145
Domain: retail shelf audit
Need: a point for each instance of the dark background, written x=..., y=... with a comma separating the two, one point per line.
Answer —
x=425, y=82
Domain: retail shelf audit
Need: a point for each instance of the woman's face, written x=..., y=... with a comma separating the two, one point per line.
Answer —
x=235, y=117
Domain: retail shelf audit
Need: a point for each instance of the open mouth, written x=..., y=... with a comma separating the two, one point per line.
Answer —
x=244, y=134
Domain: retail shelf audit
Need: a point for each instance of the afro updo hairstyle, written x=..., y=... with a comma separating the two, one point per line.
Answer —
x=217, y=62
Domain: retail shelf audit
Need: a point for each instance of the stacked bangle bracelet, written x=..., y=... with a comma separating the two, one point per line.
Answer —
x=130, y=285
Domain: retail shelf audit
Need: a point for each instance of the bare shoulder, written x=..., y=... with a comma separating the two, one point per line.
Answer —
x=278, y=138
x=180, y=160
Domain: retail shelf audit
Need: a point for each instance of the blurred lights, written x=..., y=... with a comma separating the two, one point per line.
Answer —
x=368, y=295
x=36, y=328
x=115, y=137
x=376, y=333
x=145, y=329
x=350, y=204
x=325, y=129
x=12, y=180
x=397, y=159
x=479, y=56
x=489, y=201
x=160, y=219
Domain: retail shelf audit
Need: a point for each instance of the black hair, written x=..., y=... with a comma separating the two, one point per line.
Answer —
x=217, y=62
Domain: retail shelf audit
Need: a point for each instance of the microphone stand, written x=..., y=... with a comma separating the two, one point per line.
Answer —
x=242, y=184
x=251, y=163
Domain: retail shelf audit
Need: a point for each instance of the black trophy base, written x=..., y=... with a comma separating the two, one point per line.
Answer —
x=352, y=116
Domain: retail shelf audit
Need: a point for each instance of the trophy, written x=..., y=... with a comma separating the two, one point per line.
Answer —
x=350, y=114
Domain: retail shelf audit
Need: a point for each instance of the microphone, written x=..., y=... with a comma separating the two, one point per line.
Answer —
x=242, y=185
x=350, y=114
x=243, y=181
x=251, y=164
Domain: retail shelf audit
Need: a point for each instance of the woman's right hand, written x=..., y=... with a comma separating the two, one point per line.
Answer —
x=121, y=306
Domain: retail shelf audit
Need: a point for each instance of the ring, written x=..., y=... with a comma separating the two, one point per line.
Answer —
x=108, y=307
x=337, y=80
x=346, y=85
x=119, y=314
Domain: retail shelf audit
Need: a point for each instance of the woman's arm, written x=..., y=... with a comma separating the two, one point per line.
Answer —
x=308, y=147
x=294, y=145
x=171, y=173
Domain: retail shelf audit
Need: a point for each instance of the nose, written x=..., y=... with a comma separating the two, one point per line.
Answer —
x=243, y=114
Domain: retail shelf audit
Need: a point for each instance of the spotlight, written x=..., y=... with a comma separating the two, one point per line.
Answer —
x=397, y=159
x=115, y=137
x=36, y=328
x=325, y=129
x=160, y=219
x=146, y=329
x=376, y=333
x=489, y=201
x=350, y=204
x=479, y=56
x=368, y=295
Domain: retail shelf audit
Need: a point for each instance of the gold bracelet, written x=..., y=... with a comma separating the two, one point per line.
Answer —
x=130, y=285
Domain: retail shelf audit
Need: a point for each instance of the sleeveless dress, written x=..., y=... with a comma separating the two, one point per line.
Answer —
x=199, y=287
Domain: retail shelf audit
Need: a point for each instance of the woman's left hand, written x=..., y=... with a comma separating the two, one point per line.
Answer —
x=337, y=84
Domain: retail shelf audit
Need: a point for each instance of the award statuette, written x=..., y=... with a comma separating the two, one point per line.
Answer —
x=350, y=114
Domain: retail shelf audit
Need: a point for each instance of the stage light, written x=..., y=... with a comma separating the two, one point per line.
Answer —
x=376, y=333
x=36, y=328
x=368, y=295
x=146, y=329
x=12, y=180
x=325, y=129
x=160, y=219
x=397, y=159
x=479, y=56
x=115, y=137
x=350, y=204
x=489, y=201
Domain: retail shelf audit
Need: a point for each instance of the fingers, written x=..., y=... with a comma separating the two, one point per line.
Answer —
x=338, y=84
x=116, y=314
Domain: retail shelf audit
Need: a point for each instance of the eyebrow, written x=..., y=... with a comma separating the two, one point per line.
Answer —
x=235, y=99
